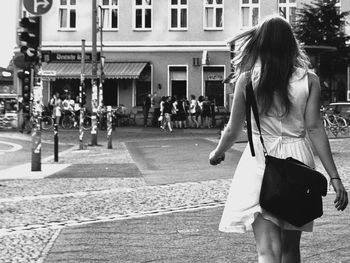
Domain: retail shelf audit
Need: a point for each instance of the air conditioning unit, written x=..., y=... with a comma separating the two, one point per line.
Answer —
x=196, y=62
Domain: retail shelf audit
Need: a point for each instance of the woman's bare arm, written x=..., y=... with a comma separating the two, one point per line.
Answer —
x=234, y=126
x=319, y=139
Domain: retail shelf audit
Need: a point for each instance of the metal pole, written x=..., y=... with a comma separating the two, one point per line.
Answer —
x=81, y=87
x=109, y=127
x=94, y=100
x=101, y=56
x=55, y=136
x=36, y=132
x=109, y=108
x=36, y=109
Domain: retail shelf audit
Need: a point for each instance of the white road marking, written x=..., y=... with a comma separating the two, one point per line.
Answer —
x=15, y=147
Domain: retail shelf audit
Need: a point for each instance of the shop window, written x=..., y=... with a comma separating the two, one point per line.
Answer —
x=214, y=88
x=249, y=12
x=178, y=81
x=67, y=14
x=143, y=88
x=287, y=9
x=213, y=14
x=110, y=14
x=178, y=14
x=143, y=15
x=143, y=85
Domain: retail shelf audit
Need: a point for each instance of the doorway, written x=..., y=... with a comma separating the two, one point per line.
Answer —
x=178, y=89
x=110, y=92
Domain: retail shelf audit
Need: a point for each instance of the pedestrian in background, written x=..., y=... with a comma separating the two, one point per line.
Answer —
x=288, y=97
x=161, y=118
x=167, y=112
x=156, y=105
x=199, y=111
x=175, y=113
x=193, y=112
x=206, y=112
x=56, y=104
x=147, y=102
x=24, y=116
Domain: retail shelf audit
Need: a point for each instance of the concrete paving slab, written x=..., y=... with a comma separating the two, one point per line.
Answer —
x=24, y=171
x=192, y=236
x=123, y=170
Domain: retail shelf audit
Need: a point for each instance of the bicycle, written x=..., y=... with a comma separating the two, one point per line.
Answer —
x=335, y=124
x=69, y=121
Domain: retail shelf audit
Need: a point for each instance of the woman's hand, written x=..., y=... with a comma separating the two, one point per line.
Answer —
x=341, y=200
x=215, y=159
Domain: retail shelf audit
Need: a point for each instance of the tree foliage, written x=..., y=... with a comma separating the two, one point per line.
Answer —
x=321, y=24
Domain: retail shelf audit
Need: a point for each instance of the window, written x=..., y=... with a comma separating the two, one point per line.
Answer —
x=213, y=14
x=67, y=13
x=178, y=14
x=249, y=12
x=178, y=81
x=110, y=14
x=287, y=9
x=143, y=15
x=213, y=85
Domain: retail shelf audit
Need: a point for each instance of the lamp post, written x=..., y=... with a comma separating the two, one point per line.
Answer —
x=94, y=77
x=102, y=76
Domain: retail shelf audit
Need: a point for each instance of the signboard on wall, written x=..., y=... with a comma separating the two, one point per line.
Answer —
x=48, y=56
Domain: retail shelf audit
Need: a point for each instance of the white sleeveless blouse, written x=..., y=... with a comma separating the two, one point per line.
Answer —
x=284, y=136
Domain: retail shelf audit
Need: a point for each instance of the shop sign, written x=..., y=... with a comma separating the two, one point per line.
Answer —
x=67, y=57
x=47, y=73
x=215, y=77
x=7, y=89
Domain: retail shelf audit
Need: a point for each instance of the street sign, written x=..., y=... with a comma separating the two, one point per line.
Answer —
x=47, y=73
x=37, y=7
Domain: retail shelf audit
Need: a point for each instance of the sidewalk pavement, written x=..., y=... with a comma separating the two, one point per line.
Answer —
x=128, y=221
x=191, y=236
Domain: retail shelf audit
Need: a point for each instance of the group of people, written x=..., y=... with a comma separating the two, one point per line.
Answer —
x=59, y=107
x=173, y=112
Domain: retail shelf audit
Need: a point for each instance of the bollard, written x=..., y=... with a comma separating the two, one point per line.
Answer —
x=55, y=135
x=36, y=147
x=109, y=127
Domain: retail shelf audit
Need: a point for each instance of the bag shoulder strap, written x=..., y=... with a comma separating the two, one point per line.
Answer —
x=252, y=105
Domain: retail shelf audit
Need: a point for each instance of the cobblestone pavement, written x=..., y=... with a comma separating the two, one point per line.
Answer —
x=34, y=211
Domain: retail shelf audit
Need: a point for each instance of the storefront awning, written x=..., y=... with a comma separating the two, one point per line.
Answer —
x=112, y=70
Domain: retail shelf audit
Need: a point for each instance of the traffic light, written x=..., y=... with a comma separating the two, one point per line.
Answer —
x=83, y=96
x=29, y=36
x=25, y=77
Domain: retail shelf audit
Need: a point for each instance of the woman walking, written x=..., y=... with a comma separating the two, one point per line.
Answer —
x=288, y=97
x=166, y=109
x=193, y=111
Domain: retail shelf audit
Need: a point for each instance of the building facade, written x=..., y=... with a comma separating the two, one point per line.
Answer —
x=172, y=47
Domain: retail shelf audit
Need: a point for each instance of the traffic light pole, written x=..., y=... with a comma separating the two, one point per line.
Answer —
x=30, y=42
x=36, y=130
x=94, y=99
x=81, y=87
x=102, y=60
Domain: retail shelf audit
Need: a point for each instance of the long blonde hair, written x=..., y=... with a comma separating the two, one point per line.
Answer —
x=274, y=44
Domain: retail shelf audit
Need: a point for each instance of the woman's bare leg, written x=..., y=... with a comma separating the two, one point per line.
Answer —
x=268, y=240
x=291, y=246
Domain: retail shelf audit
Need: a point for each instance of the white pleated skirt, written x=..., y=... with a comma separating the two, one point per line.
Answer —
x=242, y=204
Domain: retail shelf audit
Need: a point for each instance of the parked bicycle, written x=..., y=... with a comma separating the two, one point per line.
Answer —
x=70, y=121
x=47, y=121
x=335, y=124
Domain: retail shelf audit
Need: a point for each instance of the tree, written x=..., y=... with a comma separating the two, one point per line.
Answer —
x=320, y=27
x=321, y=24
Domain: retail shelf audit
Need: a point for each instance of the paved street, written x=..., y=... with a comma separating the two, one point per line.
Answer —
x=152, y=198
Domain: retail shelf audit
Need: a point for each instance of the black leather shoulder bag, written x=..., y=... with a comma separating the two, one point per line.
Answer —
x=290, y=189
